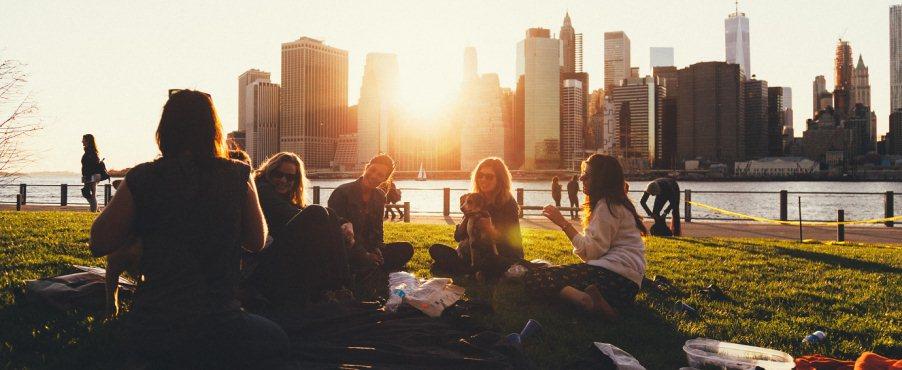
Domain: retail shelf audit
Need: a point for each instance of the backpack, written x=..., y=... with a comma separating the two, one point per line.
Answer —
x=394, y=195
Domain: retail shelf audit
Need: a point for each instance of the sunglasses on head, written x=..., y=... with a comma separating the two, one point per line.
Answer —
x=276, y=174
x=174, y=91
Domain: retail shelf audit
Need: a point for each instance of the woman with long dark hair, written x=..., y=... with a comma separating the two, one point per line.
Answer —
x=492, y=179
x=90, y=170
x=610, y=245
x=192, y=209
x=306, y=261
x=361, y=203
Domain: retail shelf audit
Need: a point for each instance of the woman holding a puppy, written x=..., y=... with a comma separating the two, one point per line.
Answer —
x=610, y=245
x=492, y=180
x=192, y=209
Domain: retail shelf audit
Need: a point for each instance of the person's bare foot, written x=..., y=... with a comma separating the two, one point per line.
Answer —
x=599, y=304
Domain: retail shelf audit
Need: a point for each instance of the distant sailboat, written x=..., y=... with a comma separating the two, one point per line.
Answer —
x=421, y=176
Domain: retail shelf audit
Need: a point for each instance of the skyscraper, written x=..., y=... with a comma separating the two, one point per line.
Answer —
x=843, y=82
x=377, y=109
x=775, y=125
x=262, y=113
x=470, y=64
x=638, y=110
x=660, y=57
x=895, y=57
x=756, y=119
x=482, y=126
x=568, y=46
x=736, y=36
x=573, y=114
x=515, y=144
x=711, y=121
x=538, y=60
x=861, y=87
x=245, y=79
x=818, y=94
x=313, y=100
x=616, y=58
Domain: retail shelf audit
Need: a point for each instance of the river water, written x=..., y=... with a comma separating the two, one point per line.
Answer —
x=426, y=196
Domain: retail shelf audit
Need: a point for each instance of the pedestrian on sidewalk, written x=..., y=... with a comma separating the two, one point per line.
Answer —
x=573, y=194
x=90, y=170
x=667, y=192
x=556, y=189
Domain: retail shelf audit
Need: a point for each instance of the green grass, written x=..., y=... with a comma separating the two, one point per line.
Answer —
x=783, y=291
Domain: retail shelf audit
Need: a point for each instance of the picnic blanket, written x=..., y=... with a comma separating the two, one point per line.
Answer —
x=358, y=335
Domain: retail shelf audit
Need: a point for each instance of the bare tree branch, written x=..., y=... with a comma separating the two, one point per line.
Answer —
x=18, y=118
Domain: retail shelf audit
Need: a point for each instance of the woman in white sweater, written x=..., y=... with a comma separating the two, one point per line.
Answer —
x=610, y=245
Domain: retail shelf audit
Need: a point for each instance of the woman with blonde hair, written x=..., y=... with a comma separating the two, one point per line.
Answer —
x=492, y=179
x=610, y=245
x=192, y=209
x=306, y=261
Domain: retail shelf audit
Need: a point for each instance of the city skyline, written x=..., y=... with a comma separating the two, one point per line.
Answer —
x=78, y=98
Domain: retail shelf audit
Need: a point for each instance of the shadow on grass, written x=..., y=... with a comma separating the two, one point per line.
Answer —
x=838, y=261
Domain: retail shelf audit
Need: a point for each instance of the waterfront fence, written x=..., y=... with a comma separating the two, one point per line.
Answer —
x=59, y=195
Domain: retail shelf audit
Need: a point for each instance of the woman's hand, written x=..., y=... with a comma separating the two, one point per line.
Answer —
x=553, y=214
x=347, y=229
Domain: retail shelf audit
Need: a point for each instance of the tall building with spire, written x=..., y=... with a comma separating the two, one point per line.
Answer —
x=313, y=100
x=736, y=31
x=377, y=110
x=572, y=47
x=861, y=86
x=895, y=57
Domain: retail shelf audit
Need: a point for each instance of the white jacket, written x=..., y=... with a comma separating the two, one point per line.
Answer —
x=612, y=241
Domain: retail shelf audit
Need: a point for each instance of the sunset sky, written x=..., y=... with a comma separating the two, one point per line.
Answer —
x=104, y=67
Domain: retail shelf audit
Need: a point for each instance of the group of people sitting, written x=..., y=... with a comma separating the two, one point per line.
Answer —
x=219, y=240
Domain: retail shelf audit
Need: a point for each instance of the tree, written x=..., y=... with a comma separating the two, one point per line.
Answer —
x=18, y=118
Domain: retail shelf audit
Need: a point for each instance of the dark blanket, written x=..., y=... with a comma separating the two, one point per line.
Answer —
x=361, y=336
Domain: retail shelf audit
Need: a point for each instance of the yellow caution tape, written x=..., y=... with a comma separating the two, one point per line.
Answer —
x=791, y=223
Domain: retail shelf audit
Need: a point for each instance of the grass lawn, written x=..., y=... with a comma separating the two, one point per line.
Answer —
x=782, y=291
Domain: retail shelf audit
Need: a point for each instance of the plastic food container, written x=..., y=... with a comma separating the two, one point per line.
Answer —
x=701, y=352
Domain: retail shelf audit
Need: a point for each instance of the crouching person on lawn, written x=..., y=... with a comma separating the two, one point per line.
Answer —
x=610, y=244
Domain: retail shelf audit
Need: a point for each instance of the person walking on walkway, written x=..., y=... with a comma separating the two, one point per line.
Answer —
x=610, y=246
x=193, y=210
x=556, y=189
x=666, y=191
x=362, y=205
x=90, y=170
x=392, y=196
x=573, y=194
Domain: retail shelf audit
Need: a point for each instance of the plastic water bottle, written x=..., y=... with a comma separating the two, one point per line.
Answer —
x=815, y=338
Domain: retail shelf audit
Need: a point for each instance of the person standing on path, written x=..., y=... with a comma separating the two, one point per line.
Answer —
x=666, y=191
x=90, y=170
x=556, y=189
x=573, y=194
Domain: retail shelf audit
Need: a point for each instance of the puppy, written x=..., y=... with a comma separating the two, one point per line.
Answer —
x=124, y=259
x=482, y=249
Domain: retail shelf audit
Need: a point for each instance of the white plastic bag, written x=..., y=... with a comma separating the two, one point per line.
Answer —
x=433, y=296
x=399, y=284
x=622, y=359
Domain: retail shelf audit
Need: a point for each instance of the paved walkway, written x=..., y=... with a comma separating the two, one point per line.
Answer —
x=733, y=229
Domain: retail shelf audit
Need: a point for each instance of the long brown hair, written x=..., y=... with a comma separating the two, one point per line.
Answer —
x=606, y=181
x=272, y=163
x=90, y=144
x=190, y=125
x=502, y=177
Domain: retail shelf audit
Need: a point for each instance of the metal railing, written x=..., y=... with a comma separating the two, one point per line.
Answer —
x=65, y=198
